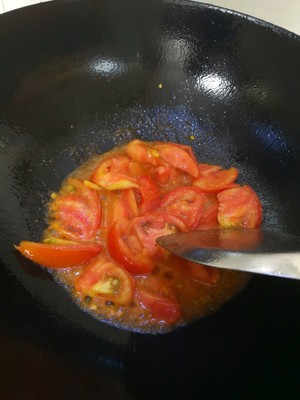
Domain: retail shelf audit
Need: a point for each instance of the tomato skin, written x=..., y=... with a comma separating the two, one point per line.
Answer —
x=125, y=247
x=186, y=203
x=239, y=208
x=213, y=179
x=150, y=194
x=178, y=157
x=58, y=256
x=76, y=215
x=203, y=274
x=113, y=174
x=104, y=277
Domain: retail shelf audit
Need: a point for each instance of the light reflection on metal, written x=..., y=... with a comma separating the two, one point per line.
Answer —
x=176, y=51
x=271, y=137
x=108, y=67
x=213, y=83
x=252, y=250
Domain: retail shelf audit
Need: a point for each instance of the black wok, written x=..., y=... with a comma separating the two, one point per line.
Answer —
x=79, y=77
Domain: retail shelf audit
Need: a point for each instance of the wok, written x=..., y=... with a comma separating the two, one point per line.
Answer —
x=76, y=79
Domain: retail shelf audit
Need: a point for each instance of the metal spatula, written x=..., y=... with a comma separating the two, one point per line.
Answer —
x=253, y=250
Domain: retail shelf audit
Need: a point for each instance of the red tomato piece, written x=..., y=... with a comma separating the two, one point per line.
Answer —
x=119, y=205
x=159, y=300
x=169, y=178
x=163, y=174
x=125, y=247
x=77, y=212
x=184, y=147
x=150, y=194
x=104, y=277
x=138, y=169
x=150, y=226
x=209, y=216
x=58, y=255
x=213, y=178
x=186, y=203
x=239, y=207
x=129, y=202
x=113, y=209
x=113, y=174
x=161, y=308
x=203, y=274
x=142, y=152
x=178, y=157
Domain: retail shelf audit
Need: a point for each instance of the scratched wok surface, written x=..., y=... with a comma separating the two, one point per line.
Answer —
x=76, y=79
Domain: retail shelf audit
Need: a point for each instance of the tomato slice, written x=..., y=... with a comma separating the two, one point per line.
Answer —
x=161, y=308
x=239, y=207
x=76, y=212
x=203, y=274
x=142, y=152
x=186, y=203
x=213, y=178
x=118, y=205
x=113, y=174
x=58, y=255
x=159, y=300
x=163, y=174
x=104, y=277
x=150, y=194
x=125, y=247
x=178, y=157
x=150, y=226
x=184, y=147
x=209, y=216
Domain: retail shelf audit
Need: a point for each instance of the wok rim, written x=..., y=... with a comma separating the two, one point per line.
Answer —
x=190, y=3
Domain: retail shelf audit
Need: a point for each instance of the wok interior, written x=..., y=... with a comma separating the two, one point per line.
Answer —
x=177, y=72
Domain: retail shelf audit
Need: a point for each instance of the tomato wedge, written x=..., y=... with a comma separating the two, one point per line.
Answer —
x=125, y=247
x=178, y=157
x=213, y=178
x=58, y=255
x=118, y=205
x=150, y=194
x=209, y=216
x=239, y=207
x=150, y=226
x=159, y=300
x=186, y=203
x=104, y=277
x=142, y=152
x=203, y=274
x=161, y=308
x=113, y=174
x=76, y=213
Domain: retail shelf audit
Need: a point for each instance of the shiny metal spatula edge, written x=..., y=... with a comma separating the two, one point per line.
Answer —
x=251, y=250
